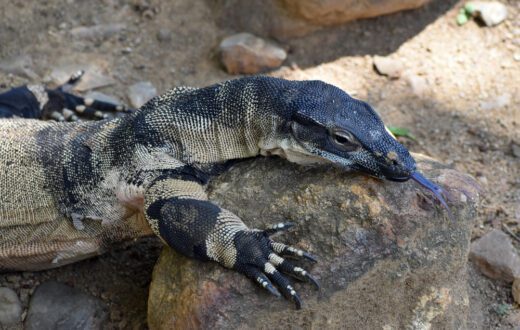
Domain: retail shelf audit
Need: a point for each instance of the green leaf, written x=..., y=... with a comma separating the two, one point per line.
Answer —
x=401, y=131
x=462, y=19
x=469, y=8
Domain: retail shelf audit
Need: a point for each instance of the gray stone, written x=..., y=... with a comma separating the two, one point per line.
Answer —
x=164, y=35
x=100, y=31
x=418, y=85
x=496, y=102
x=246, y=53
x=515, y=149
x=389, y=258
x=92, y=79
x=102, y=97
x=515, y=290
x=10, y=307
x=495, y=256
x=491, y=12
x=58, y=306
x=388, y=66
x=141, y=92
x=20, y=66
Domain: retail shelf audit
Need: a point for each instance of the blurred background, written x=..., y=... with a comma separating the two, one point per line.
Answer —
x=446, y=76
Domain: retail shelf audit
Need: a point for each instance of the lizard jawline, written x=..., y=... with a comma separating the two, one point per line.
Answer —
x=291, y=151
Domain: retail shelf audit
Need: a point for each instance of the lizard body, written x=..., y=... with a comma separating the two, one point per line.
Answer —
x=68, y=190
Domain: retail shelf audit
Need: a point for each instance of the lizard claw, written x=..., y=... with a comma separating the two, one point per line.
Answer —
x=290, y=251
x=258, y=258
x=279, y=227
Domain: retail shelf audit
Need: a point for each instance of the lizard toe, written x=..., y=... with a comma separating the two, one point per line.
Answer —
x=258, y=260
x=288, y=268
x=289, y=251
x=278, y=227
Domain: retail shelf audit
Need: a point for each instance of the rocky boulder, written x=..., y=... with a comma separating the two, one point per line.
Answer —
x=388, y=255
x=283, y=19
x=331, y=12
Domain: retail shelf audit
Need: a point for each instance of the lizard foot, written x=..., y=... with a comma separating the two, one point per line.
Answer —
x=260, y=258
x=65, y=106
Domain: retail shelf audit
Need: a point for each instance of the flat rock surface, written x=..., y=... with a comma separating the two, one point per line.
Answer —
x=58, y=306
x=389, y=256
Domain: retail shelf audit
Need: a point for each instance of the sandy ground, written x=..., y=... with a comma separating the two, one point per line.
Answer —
x=459, y=95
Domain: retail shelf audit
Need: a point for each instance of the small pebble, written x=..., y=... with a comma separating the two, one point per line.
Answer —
x=10, y=307
x=490, y=12
x=495, y=256
x=100, y=31
x=246, y=53
x=58, y=306
x=419, y=85
x=93, y=77
x=388, y=66
x=95, y=95
x=19, y=66
x=141, y=92
x=496, y=102
x=515, y=150
x=13, y=278
x=516, y=290
x=164, y=35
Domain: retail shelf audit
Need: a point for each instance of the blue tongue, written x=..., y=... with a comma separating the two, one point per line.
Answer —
x=436, y=190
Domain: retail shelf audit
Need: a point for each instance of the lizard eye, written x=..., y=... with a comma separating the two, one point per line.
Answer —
x=344, y=140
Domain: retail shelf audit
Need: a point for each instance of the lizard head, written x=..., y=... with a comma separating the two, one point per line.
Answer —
x=329, y=124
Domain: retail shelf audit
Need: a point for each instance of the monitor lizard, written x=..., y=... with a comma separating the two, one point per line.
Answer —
x=68, y=190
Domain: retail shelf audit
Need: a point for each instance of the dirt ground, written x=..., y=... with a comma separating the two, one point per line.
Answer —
x=465, y=110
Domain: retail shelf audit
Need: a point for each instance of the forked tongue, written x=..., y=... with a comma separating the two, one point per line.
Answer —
x=436, y=190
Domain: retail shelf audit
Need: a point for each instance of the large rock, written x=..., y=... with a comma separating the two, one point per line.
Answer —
x=389, y=256
x=330, y=12
x=284, y=19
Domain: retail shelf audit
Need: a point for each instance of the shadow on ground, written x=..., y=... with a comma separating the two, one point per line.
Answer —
x=376, y=36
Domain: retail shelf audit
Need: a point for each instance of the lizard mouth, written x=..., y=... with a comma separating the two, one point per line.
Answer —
x=437, y=191
x=398, y=178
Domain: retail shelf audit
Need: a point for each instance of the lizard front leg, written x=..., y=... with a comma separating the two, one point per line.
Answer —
x=180, y=213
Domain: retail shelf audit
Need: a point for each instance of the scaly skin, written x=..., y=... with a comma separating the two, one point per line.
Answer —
x=69, y=190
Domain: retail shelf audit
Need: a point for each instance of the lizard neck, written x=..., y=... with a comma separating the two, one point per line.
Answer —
x=226, y=121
